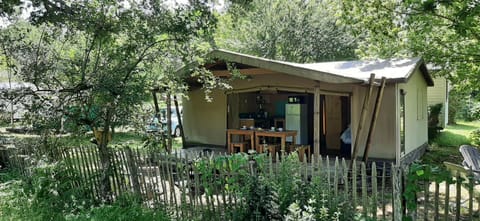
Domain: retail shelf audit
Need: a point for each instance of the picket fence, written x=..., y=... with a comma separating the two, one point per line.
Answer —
x=188, y=193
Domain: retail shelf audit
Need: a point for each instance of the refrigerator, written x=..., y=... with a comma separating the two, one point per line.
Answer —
x=296, y=119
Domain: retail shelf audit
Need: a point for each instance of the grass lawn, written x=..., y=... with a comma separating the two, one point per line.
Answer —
x=445, y=146
x=134, y=140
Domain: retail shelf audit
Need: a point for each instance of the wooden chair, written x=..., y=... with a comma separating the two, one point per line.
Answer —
x=279, y=122
x=471, y=159
x=302, y=150
x=271, y=148
x=247, y=122
x=242, y=146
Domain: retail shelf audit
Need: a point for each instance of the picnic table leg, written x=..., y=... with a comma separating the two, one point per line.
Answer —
x=257, y=143
x=252, y=142
x=229, y=141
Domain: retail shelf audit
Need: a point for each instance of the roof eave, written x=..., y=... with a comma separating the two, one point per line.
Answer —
x=420, y=65
x=282, y=67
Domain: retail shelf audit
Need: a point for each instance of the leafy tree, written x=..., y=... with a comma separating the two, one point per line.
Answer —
x=297, y=31
x=94, y=61
x=445, y=33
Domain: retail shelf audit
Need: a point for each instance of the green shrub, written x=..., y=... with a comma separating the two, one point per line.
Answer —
x=124, y=208
x=279, y=192
x=475, y=137
x=433, y=120
x=46, y=194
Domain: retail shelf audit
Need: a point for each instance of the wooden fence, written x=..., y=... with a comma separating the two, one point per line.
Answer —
x=207, y=186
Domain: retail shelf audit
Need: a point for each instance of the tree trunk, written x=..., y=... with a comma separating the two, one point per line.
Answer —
x=179, y=116
x=169, y=123
x=155, y=102
x=11, y=115
x=102, y=144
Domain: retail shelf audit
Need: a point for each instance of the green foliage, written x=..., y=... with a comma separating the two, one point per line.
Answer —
x=94, y=62
x=444, y=33
x=475, y=137
x=433, y=120
x=418, y=176
x=445, y=146
x=48, y=194
x=434, y=112
x=124, y=208
x=45, y=195
x=470, y=110
x=272, y=192
x=296, y=31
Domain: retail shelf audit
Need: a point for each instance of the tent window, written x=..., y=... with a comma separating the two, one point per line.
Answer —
x=402, y=121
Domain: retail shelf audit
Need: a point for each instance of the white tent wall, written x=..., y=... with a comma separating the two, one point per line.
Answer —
x=416, y=132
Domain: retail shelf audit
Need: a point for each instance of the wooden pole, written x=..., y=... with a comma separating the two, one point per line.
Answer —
x=316, y=124
x=363, y=114
x=169, y=122
x=179, y=117
x=373, y=122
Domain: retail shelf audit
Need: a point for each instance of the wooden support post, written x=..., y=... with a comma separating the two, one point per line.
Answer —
x=179, y=118
x=169, y=122
x=366, y=104
x=316, y=125
x=373, y=122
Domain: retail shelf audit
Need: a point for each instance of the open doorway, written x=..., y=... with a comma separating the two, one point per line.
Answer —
x=275, y=108
x=335, y=118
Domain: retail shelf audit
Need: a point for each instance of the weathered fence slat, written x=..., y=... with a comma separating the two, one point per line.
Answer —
x=458, y=196
x=354, y=184
x=112, y=175
x=133, y=172
x=397, y=192
x=470, y=193
x=447, y=201
x=426, y=192
x=364, y=190
x=328, y=171
x=335, y=178
x=374, y=191
x=94, y=179
x=346, y=189
x=436, y=202
x=382, y=194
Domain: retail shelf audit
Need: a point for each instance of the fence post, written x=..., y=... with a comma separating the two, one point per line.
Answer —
x=397, y=192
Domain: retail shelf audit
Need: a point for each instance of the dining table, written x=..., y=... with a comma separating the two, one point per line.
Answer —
x=275, y=133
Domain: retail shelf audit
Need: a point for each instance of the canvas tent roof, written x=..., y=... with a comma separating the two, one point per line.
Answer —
x=395, y=70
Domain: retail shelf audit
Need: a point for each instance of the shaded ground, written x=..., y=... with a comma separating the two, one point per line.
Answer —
x=445, y=146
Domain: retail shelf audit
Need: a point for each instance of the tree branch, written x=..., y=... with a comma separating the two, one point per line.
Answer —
x=142, y=57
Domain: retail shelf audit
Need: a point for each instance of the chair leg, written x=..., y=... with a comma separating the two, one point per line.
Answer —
x=242, y=148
